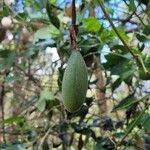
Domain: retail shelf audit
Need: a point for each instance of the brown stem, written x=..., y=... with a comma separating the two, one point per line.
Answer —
x=73, y=13
x=100, y=87
x=98, y=72
x=2, y=94
x=2, y=109
x=73, y=29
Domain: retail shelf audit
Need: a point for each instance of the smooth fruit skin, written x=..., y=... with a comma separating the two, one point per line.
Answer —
x=75, y=82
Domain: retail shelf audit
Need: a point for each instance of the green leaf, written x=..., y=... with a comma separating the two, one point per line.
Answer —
x=114, y=63
x=51, y=11
x=91, y=24
x=98, y=146
x=146, y=30
x=109, y=10
x=7, y=58
x=11, y=79
x=46, y=32
x=45, y=95
x=127, y=73
x=45, y=145
x=102, y=142
x=122, y=33
x=107, y=36
x=116, y=84
x=132, y=5
x=147, y=125
x=121, y=65
x=53, y=2
x=145, y=121
x=128, y=102
x=134, y=123
x=16, y=147
x=120, y=47
x=141, y=37
x=86, y=44
x=20, y=121
x=143, y=75
x=41, y=105
x=5, y=10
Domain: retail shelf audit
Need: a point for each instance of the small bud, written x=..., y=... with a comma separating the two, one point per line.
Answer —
x=6, y=22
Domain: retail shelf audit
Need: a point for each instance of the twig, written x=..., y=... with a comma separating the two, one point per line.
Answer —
x=136, y=14
x=43, y=139
x=30, y=76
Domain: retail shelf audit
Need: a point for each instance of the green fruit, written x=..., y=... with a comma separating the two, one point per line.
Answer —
x=75, y=82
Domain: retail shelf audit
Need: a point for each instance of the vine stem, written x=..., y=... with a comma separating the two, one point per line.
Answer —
x=135, y=56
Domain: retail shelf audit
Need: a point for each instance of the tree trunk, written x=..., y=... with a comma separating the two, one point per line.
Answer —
x=100, y=87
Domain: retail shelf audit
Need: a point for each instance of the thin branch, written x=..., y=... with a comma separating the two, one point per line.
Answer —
x=44, y=138
x=136, y=14
x=136, y=57
x=30, y=76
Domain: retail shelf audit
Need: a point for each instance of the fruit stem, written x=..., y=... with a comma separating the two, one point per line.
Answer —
x=73, y=29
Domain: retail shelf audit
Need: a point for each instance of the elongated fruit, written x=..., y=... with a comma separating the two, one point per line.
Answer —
x=75, y=82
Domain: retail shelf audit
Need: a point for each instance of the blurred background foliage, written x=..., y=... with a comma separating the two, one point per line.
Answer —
x=114, y=40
